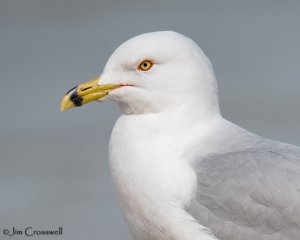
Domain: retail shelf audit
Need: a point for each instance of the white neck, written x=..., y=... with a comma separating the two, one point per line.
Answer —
x=153, y=184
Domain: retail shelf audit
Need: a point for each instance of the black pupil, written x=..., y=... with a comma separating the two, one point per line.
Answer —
x=145, y=64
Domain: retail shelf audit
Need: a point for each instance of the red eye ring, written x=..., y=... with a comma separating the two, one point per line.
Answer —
x=145, y=65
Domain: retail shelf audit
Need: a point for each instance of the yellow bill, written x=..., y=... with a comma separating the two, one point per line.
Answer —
x=84, y=93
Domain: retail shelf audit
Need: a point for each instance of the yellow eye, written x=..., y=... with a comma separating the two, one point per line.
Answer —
x=145, y=65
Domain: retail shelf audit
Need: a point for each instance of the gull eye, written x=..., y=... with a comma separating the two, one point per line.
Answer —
x=145, y=65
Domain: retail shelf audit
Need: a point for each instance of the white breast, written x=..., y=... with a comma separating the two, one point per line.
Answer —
x=152, y=181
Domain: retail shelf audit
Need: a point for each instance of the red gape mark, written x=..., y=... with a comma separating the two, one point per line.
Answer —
x=124, y=85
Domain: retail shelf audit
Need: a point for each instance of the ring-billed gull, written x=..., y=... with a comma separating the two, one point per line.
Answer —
x=183, y=172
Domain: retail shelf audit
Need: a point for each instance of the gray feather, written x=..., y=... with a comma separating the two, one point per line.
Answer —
x=250, y=193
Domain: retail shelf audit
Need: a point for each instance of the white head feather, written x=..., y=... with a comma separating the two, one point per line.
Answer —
x=181, y=75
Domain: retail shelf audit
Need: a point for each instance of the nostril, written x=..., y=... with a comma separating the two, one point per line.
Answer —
x=84, y=89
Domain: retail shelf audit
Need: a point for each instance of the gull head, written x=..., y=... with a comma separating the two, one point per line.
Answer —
x=150, y=73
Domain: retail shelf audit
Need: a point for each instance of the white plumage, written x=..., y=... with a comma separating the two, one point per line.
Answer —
x=182, y=172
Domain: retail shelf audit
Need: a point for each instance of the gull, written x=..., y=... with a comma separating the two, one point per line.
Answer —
x=181, y=171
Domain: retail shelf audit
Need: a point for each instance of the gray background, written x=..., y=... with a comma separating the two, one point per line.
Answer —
x=53, y=166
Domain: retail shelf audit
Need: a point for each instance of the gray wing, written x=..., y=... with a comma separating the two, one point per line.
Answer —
x=252, y=194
